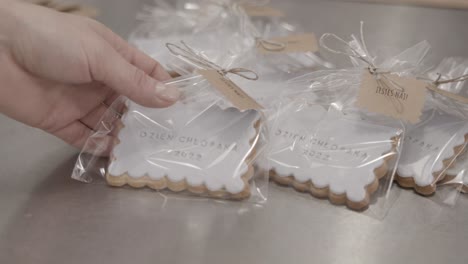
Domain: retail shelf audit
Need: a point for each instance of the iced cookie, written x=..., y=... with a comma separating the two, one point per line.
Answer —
x=206, y=151
x=337, y=157
x=429, y=148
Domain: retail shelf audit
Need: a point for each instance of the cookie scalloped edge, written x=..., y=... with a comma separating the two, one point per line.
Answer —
x=428, y=190
x=202, y=190
x=339, y=199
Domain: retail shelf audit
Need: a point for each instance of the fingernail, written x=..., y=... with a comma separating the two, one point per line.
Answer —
x=168, y=93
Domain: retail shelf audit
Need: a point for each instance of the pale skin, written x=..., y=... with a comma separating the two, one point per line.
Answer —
x=60, y=72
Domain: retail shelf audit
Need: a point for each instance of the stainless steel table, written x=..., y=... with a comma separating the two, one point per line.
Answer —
x=45, y=217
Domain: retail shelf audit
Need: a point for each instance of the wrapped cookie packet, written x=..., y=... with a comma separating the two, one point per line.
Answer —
x=435, y=148
x=323, y=141
x=205, y=145
x=428, y=114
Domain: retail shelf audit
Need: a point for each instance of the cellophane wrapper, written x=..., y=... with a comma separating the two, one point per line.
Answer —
x=445, y=127
x=266, y=28
x=220, y=29
x=322, y=144
x=201, y=146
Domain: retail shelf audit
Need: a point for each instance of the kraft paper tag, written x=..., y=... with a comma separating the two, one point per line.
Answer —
x=293, y=43
x=240, y=99
x=262, y=11
x=392, y=95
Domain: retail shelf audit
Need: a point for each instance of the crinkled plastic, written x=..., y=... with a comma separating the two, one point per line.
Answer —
x=431, y=146
x=438, y=145
x=218, y=28
x=455, y=181
x=284, y=64
x=317, y=148
x=322, y=144
x=196, y=146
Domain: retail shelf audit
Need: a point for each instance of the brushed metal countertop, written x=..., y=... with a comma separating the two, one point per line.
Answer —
x=45, y=217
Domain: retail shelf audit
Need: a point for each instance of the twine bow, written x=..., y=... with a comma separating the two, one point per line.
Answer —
x=380, y=76
x=270, y=45
x=438, y=81
x=435, y=87
x=353, y=51
x=189, y=54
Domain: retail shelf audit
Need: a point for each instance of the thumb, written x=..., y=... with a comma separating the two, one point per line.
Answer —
x=110, y=68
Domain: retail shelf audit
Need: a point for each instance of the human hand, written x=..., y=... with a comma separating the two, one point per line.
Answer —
x=59, y=72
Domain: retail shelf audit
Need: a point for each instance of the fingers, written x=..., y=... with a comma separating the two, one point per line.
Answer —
x=110, y=68
x=144, y=62
x=81, y=137
x=132, y=54
x=111, y=99
x=92, y=119
x=103, y=113
x=102, y=121
x=74, y=134
x=136, y=75
x=99, y=145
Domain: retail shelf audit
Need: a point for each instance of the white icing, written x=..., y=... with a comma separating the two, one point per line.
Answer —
x=331, y=150
x=201, y=145
x=428, y=143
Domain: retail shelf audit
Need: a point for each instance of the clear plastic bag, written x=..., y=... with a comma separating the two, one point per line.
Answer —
x=316, y=147
x=433, y=159
x=196, y=145
x=431, y=147
x=266, y=89
x=321, y=143
x=264, y=29
x=217, y=28
x=455, y=180
x=432, y=144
